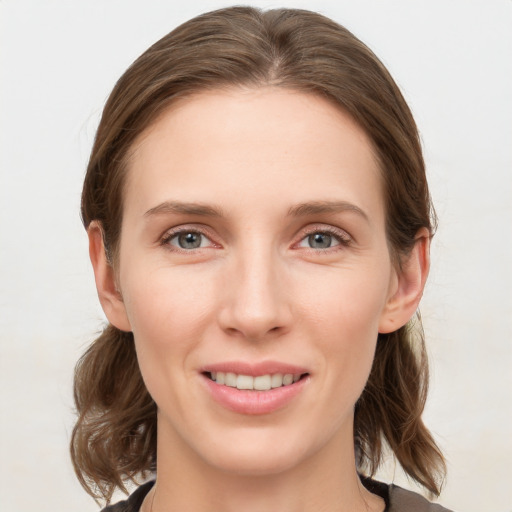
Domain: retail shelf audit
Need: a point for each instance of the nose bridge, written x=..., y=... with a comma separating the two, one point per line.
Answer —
x=256, y=302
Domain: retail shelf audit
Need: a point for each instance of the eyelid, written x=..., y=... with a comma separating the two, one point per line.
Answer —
x=169, y=234
x=341, y=235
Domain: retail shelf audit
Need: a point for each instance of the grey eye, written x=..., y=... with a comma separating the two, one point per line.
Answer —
x=188, y=240
x=320, y=240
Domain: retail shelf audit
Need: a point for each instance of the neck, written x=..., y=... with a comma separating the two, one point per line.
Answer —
x=324, y=482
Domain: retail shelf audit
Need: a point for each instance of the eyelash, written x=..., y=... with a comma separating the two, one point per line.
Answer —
x=342, y=237
x=166, y=239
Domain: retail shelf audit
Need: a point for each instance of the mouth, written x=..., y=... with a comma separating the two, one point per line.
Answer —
x=257, y=388
x=255, y=383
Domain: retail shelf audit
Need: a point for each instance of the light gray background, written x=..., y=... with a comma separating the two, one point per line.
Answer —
x=58, y=61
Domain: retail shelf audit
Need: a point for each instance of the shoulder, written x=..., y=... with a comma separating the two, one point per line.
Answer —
x=397, y=499
x=134, y=502
x=401, y=500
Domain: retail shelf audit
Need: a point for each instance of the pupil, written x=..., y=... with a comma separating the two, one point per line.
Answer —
x=189, y=240
x=320, y=241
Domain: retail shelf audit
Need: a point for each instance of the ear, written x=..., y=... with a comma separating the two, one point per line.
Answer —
x=408, y=285
x=108, y=293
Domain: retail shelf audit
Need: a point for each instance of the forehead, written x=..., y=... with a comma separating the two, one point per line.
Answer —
x=277, y=141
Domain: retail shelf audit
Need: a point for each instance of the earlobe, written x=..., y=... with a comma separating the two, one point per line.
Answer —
x=108, y=293
x=408, y=287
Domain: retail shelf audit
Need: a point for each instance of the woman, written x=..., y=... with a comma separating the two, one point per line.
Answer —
x=259, y=225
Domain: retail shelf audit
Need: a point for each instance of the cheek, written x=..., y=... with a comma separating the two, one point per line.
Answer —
x=344, y=319
x=169, y=313
x=350, y=301
x=162, y=298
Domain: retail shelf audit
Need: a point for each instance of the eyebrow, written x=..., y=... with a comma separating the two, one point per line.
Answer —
x=200, y=209
x=300, y=210
x=322, y=207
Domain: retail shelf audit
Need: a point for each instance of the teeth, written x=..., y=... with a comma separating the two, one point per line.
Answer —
x=277, y=380
x=287, y=379
x=244, y=382
x=260, y=383
x=230, y=380
x=263, y=382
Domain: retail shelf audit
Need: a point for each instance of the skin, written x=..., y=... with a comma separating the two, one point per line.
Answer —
x=254, y=291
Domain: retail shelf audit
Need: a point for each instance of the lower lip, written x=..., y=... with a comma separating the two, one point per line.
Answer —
x=245, y=401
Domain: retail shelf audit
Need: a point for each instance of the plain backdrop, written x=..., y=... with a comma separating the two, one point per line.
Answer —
x=59, y=60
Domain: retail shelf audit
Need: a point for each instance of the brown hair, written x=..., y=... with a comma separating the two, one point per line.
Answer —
x=114, y=439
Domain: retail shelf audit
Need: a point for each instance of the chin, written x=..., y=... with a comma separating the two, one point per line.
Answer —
x=256, y=462
x=258, y=452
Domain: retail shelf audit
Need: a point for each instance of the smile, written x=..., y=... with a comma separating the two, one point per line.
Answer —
x=257, y=383
x=255, y=388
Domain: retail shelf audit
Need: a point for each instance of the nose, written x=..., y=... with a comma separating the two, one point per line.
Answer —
x=256, y=301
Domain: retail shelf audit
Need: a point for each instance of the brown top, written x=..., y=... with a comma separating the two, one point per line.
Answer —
x=396, y=498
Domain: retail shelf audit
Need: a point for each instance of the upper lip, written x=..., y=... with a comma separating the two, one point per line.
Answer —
x=254, y=368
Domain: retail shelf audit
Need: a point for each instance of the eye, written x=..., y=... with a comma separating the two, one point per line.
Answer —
x=319, y=241
x=188, y=240
x=324, y=239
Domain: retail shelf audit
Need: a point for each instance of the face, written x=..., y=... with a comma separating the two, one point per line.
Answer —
x=253, y=254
